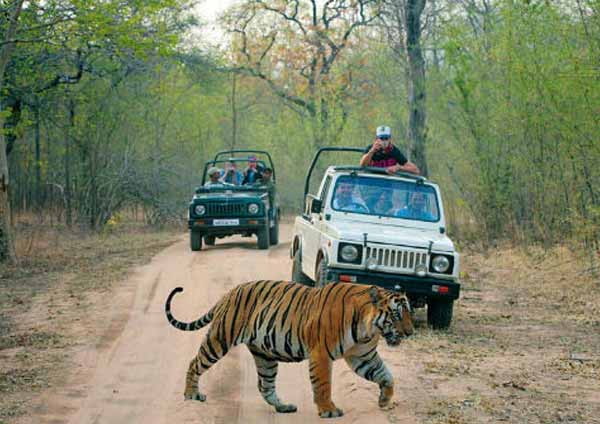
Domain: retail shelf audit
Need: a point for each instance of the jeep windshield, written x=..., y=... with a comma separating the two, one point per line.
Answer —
x=385, y=197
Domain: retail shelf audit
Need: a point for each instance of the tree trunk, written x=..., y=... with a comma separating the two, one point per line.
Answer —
x=416, y=85
x=38, y=160
x=69, y=136
x=234, y=112
x=7, y=251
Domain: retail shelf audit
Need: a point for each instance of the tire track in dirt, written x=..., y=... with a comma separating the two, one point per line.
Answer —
x=152, y=292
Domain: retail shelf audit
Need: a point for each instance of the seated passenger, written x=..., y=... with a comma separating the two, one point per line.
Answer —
x=398, y=202
x=265, y=180
x=416, y=208
x=383, y=154
x=380, y=203
x=265, y=177
x=214, y=174
x=345, y=200
x=232, y=175
x=253, y=172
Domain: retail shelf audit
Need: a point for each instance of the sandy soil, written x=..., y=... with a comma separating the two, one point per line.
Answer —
x=135, y=373
x=523, y=346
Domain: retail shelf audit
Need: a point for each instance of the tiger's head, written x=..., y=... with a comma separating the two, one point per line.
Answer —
x=392, y=317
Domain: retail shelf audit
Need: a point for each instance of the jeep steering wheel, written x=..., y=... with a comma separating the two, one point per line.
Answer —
x=357, y=207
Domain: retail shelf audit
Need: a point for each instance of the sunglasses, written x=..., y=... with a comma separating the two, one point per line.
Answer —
x=383, y=137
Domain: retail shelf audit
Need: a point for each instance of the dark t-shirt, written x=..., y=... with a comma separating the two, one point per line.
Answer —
x=387, y=157
x=251, y=175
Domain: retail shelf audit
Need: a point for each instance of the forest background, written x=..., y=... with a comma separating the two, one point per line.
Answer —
x=111, y=108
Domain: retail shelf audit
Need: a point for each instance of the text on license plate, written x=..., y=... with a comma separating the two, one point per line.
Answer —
x=226, y=222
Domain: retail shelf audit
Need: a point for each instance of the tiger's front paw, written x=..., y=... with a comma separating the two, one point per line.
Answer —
x=195, y=396
x=387, y=404
x=334, y=413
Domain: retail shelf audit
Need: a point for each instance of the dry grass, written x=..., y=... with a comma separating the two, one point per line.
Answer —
x=524, y=346
x=60, y=275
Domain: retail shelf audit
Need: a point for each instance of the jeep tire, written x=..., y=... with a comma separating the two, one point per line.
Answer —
x=274, y=233
x=297, y=275
x=321, y=274
x=263, y=237
x=209, y=240
x=195, y=241
x=439, y=313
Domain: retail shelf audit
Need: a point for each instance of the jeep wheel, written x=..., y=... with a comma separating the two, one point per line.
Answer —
x=274, y=233
x=263, y=238
x=297, y=275
x=321, y=275
x=195, y=241
x=209, y=240
x=439, y=313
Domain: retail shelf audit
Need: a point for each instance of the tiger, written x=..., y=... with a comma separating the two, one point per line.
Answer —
x=282, y=321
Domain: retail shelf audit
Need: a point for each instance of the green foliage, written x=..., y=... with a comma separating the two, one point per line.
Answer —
x=516, y=108
x=513, y=105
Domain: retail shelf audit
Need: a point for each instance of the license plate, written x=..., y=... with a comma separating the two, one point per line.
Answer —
x=226, y=222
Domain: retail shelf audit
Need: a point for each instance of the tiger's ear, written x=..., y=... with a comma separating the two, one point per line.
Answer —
x=374, y=294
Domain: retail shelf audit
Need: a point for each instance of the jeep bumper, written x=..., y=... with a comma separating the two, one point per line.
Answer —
x=224, y=226
x=412, y=285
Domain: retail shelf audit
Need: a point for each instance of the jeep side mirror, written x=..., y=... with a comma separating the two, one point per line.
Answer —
x=316, y=205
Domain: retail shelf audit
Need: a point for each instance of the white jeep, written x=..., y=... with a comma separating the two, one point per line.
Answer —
x=366, y=226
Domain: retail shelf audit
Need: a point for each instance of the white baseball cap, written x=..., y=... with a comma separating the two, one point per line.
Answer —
x=213, y=170
x=383, y=131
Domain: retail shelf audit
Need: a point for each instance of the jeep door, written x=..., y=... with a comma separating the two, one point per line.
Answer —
x=312, y=230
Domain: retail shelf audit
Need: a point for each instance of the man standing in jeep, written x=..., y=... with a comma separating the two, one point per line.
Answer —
x=383, y=154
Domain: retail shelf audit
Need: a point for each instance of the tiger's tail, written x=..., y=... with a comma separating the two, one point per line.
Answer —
x=186, y=326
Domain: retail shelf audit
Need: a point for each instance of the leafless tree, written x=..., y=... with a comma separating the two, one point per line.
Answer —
x=294, y=47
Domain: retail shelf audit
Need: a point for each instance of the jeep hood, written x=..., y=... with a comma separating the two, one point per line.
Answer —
x=389, y=234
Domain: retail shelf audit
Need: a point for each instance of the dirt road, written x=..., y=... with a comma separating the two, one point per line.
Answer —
x=136, y=372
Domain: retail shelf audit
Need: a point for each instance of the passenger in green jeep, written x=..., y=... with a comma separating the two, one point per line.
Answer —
x=214, y=174
x=266, y=181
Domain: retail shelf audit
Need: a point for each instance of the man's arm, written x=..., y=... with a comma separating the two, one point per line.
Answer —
x=409, y=167
x=403, y=164
x=365, y=160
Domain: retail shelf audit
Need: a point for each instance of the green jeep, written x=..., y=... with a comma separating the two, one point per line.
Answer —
x=221, y=209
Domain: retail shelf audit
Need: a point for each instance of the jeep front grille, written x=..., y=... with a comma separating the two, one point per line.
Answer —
x=392, y=259
x=226, y=209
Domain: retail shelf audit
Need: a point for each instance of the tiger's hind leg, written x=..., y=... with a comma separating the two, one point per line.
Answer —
x=369, y=365
x=209, y=353
x=267, y=373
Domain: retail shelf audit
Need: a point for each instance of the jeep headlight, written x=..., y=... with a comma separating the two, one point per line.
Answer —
x=440, y=264
x=199, y=210
x=253, y=208
x=350, y=253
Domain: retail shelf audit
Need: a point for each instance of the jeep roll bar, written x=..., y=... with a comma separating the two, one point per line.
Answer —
x=261, y=152
x=375, y=170
x=314, y=162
